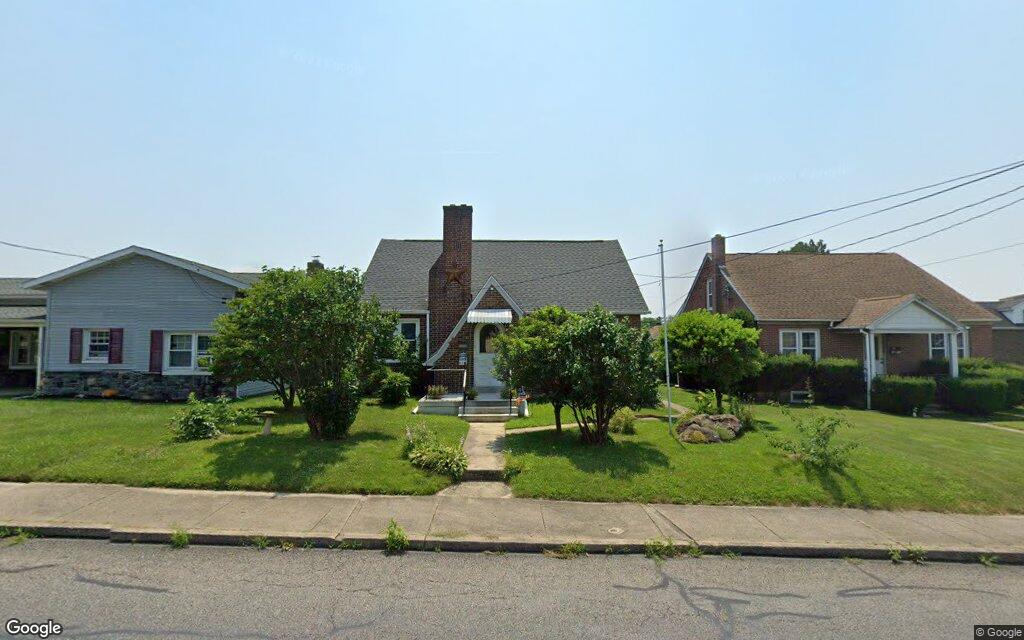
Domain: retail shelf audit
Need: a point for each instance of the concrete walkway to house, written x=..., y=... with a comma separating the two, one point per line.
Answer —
x=512, y=524
x=483, y=446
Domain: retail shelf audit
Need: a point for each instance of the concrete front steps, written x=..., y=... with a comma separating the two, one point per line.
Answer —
x=488, y=411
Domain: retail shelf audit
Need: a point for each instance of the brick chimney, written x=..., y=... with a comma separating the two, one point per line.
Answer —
x=449, y=286
x=718, y=249
x=314, y=265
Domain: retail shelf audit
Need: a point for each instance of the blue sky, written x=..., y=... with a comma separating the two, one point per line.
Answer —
x=249, y=134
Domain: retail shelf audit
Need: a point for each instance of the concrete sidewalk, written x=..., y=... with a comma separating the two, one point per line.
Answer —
x=511, y=524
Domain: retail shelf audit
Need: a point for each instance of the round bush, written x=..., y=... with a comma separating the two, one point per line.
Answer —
x=902, y=394
x=623, y=421
x=394, y=389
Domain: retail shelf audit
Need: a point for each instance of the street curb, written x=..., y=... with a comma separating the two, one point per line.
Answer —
x=423, y=543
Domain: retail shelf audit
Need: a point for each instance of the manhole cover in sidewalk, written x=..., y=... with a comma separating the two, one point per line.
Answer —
x=615, y=530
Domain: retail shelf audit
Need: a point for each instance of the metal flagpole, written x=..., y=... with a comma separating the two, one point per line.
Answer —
x=664, y=329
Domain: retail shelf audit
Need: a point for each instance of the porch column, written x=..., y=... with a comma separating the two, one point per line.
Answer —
x=39, y=360
x=954, y=356
x=869, y=365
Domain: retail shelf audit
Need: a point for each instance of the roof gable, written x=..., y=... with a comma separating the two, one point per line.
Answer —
x=533, y=272
x=827, y=287
x=239, y=281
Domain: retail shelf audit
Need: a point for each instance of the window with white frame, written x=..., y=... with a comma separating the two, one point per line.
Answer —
x=24, y=349
x=938, y=349
x=710, y=295
x=97, y=345
x=187, y=351
x=799, y=341
x=410, y=332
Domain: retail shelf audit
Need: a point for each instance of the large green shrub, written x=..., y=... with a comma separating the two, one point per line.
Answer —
x=934, y=367
x=786, y=372
x=979, y=396
x=838, y=381
x=1011, y=375
x=394, y=389
x=623, y=421
x=902, y=394
x=196, y=421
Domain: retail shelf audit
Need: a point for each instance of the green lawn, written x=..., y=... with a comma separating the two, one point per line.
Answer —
x=542, y=414
x=902, y=463
x=128, y=443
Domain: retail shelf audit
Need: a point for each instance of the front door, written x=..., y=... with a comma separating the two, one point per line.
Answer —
x=483, y=358
x=880, y=356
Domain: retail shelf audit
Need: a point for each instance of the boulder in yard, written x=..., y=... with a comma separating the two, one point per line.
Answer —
x=710, y=427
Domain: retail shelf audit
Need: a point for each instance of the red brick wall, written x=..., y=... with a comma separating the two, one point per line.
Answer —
x=464, y=341
x=1008, y=345
x=834, y=344
x=981, y=341
x=726, y=300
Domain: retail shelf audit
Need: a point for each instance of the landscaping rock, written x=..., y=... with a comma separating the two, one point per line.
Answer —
x=709, y=426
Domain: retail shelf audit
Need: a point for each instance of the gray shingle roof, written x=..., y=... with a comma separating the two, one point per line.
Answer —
x=11, y=289
x=997, y=307
x=15, y=312
x=397, y=273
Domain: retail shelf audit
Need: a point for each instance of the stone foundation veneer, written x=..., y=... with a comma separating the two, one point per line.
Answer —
x=133, y=385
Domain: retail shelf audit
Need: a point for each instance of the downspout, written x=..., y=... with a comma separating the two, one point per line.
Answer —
x=868, y=365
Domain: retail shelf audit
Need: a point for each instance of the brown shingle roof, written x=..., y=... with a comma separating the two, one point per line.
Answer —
x=867, y=310
x=827, y=286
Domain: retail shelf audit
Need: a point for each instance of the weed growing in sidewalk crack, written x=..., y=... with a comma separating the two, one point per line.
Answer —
x=286, y=545
x=895, y=555
x=395, y=539
x=660, y=549
x=259, y=542
x=988, y=561
x=567, y=551
x=729, y=554
x=180, y=538
x=12, y=537
x=915, y=554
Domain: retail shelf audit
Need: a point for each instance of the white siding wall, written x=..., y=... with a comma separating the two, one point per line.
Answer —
x=913, y=317
x=137, y=294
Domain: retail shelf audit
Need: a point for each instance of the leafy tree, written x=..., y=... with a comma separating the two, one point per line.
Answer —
x=319, y=333
x=247, y=344
x=745, y=317
x=650, y=321
x=528, y=356
x=607, y=365
x=807, y=246
x=715, y=350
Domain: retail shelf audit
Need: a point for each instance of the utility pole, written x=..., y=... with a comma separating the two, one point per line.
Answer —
x=664, y=329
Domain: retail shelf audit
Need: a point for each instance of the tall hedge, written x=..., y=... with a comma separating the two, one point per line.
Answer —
x=902, y=394
x=1012, y=376
x=979, y=396
x=838, y=381
x=783, y=373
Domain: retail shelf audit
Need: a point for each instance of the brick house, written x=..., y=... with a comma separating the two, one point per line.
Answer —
x=455, y=294
x=1008, y=332
x=878, y=308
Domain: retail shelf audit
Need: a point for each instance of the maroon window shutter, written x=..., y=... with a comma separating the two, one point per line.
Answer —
x=156, y=351
x=114, y=356
x=75, y=351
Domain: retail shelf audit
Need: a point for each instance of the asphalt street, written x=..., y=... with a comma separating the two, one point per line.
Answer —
x=98, y=589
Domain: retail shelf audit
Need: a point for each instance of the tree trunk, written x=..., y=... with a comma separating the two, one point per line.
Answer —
x=558, y=416
x=289, y=402
x=718, y=400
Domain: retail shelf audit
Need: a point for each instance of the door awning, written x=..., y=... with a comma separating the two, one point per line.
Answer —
x=490, y=316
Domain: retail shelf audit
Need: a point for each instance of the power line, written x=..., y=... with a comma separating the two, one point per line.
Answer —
x=58, y=253
x=932, y=218
x=1010, y=166
x=971, y=255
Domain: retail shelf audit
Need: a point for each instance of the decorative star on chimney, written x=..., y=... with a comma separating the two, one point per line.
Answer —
x=454, y=274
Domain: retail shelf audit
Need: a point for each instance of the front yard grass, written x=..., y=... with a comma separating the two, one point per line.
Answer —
x=129, y=443
x=902, y=463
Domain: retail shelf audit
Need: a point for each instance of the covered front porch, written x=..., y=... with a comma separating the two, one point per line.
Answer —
x=902, y=333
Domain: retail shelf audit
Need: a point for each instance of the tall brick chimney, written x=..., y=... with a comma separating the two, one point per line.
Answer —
x=449, y=286
x=718, y=249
